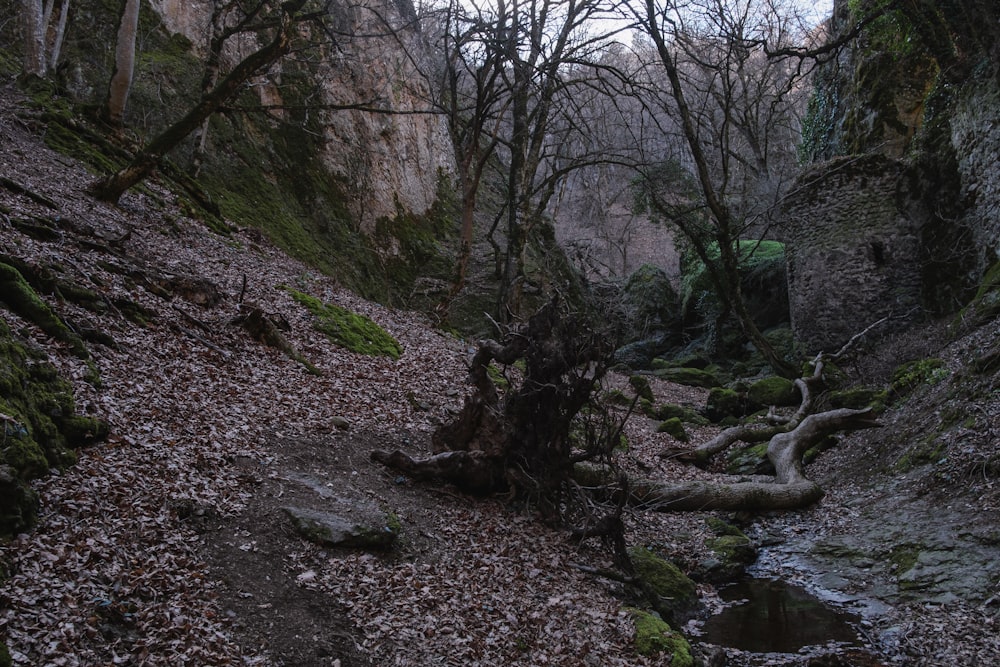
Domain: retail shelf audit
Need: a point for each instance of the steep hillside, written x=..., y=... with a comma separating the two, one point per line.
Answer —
x=170, y=541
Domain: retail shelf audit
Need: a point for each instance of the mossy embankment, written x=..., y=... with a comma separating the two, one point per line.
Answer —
x=40, y=426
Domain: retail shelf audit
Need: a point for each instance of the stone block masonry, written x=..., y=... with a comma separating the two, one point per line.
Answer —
x=853, y=250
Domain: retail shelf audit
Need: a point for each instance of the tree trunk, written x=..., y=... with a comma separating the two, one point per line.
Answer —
x=33, y=31
x=111, y=188
x=121, y=80
x=697, y=496
x=55, y=47
x=789, y=490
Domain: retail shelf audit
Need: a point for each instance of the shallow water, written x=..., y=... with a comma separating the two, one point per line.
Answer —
x=776, y=617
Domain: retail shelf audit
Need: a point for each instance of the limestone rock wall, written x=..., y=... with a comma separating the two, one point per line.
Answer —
x=387, y=162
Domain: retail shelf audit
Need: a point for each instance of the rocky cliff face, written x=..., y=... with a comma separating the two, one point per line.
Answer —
x=389, y=160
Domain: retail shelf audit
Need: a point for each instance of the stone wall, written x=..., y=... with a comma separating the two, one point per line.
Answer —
x=853, y=249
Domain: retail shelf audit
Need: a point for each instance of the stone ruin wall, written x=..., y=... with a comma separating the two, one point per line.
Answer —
x=852, y=250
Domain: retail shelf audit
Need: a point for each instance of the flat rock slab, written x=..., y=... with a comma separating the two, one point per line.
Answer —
x=375, y=530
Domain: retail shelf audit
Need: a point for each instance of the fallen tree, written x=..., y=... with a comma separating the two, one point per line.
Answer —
x=526, y=441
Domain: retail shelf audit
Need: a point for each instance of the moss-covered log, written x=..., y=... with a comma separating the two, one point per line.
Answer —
x=22, y=299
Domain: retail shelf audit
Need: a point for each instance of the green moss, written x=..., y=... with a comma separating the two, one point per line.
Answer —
x=497, y=376
x=720, y=527
x=903, y=557
x=674, y=428
x=775, y=390
x=723, y=402
x=858, y=398
x=913, y=374
x=932, y=449
x=671, y=591
x=985, y=306
x=5, y=659
x=412, y=246
x=685, y=414
x=39, y=428
x=354, y=332
x=617, y=397
x=22, y=299
x=732, y=549
x=640, y=385
x=20, y=450
x=762, y=270
x=749, y=460
x=990, y=282
x=653, y=636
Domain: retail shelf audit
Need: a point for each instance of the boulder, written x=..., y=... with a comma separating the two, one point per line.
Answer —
x=650, y=303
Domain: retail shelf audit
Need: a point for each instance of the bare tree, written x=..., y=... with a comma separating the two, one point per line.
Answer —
x=548, y=38
x=278, y=25
x=736, y=111
x=470, y=92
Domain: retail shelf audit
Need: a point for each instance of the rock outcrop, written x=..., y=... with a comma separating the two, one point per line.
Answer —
x=389, y=159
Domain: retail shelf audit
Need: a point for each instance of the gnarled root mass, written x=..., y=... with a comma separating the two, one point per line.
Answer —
x=519, y=441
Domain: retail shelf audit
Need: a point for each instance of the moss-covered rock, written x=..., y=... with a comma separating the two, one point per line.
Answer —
x=672, y=593
x=650, y=303
x=653, y=636
x=617, y=397
x=692, y=377
x=732, y=552
x=354, y=332
x=733, y=549
x=683, y=413
x=857, y=398
x=640, y=385
x=763, y=283
x=749, y=460
x=674, y=428
x=721, y=528
x=724, y=402
x=774, y=390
